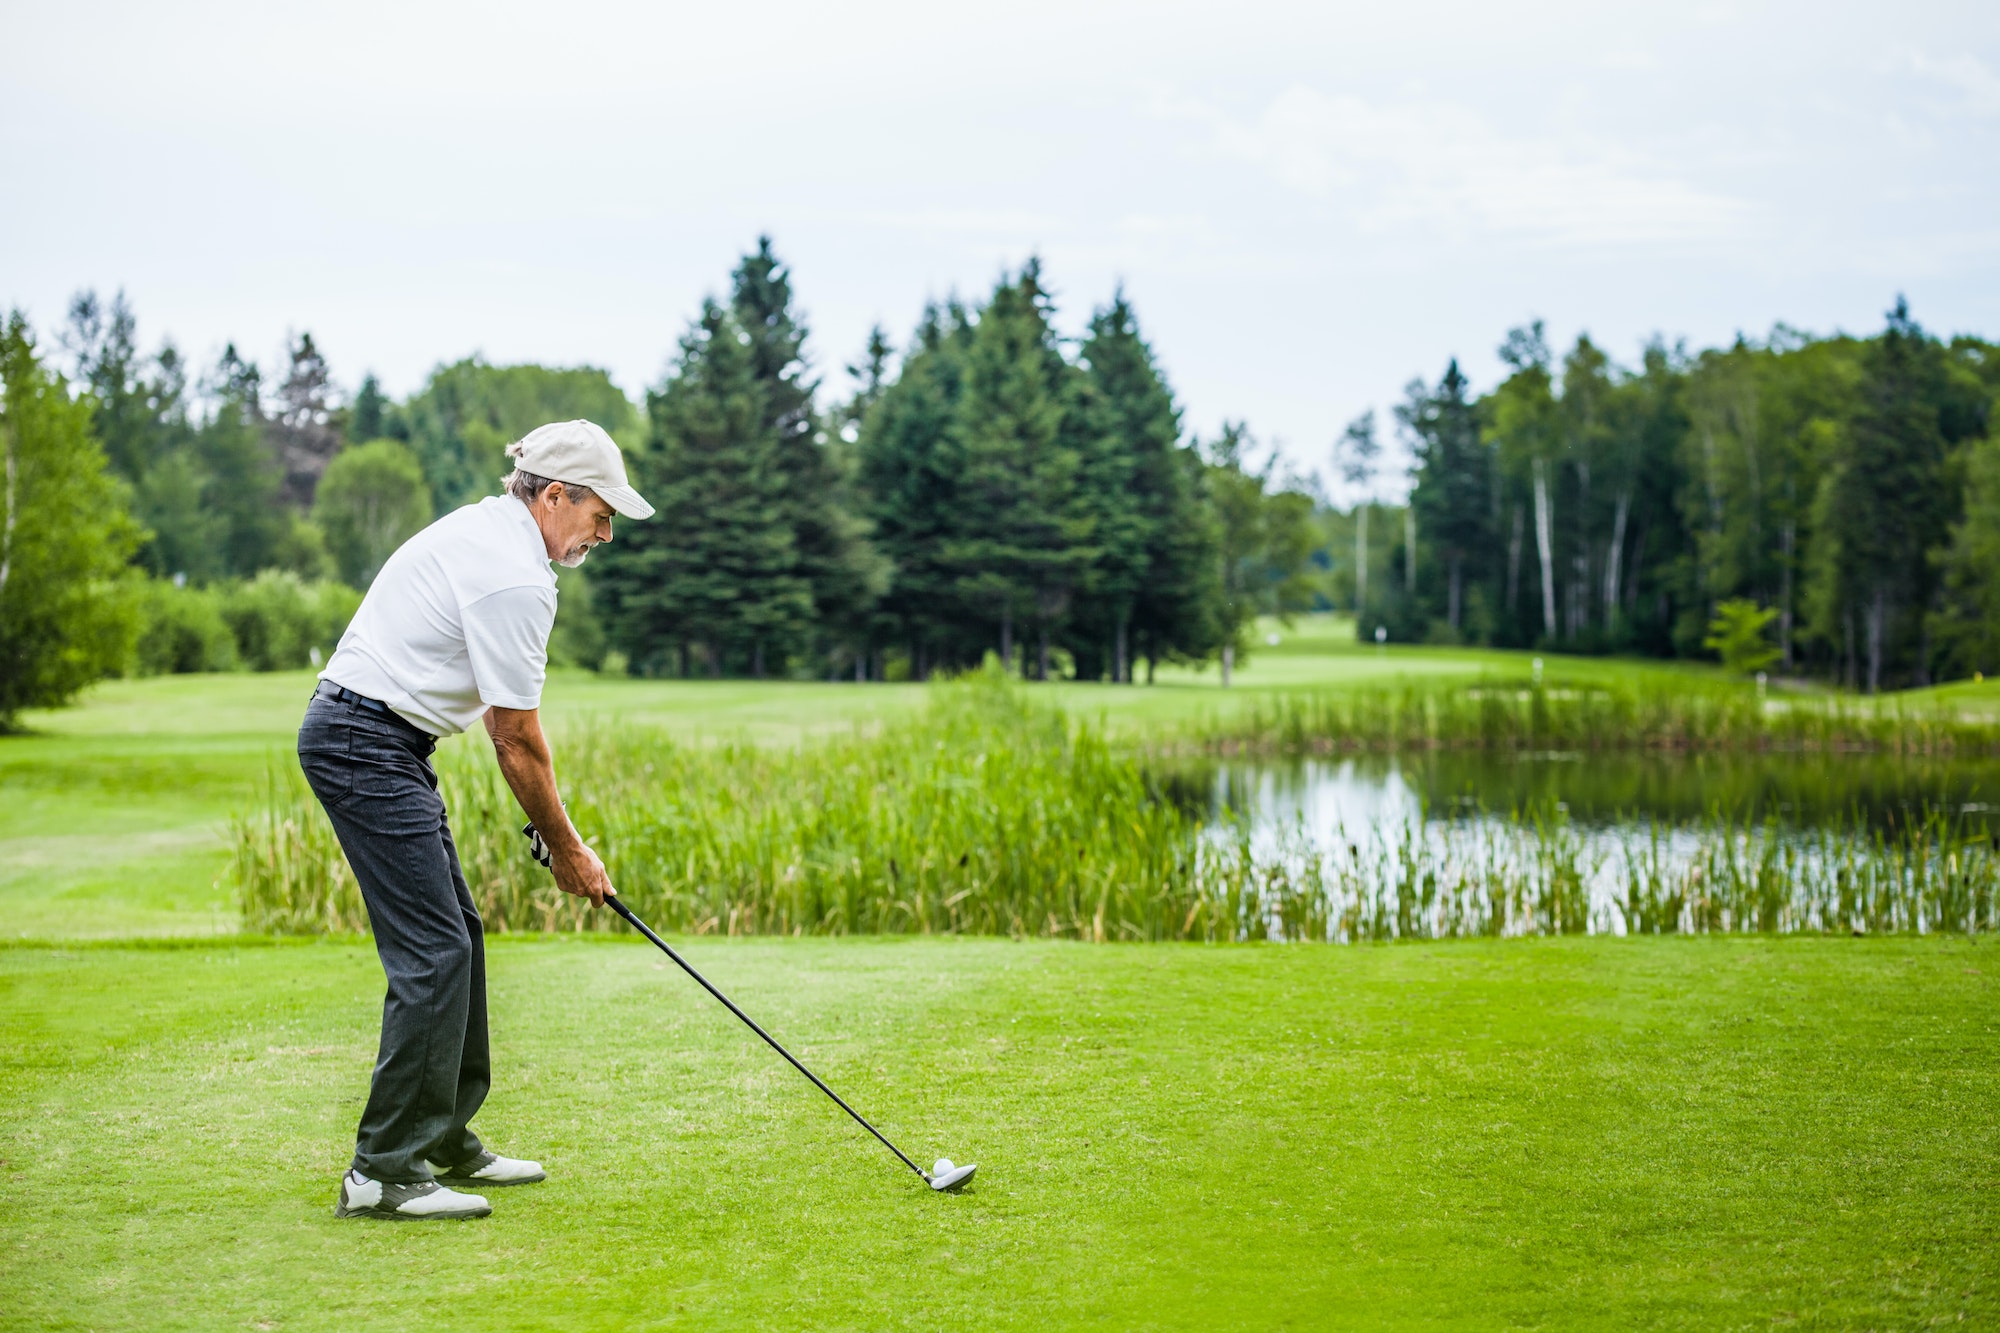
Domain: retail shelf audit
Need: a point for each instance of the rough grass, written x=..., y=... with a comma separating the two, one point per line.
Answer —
x=1586, y=1134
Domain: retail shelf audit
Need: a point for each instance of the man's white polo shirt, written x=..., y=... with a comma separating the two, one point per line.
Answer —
x=458, y=621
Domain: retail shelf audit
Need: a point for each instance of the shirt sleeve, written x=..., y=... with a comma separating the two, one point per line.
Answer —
x=507, y=640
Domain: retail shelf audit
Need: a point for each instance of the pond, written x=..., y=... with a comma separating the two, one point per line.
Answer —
x=1458, y=843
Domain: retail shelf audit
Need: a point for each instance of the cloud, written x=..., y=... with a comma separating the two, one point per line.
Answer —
x=1977, y=86
x=1445, y=168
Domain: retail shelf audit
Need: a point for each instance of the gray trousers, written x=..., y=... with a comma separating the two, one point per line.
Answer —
x=372, y=773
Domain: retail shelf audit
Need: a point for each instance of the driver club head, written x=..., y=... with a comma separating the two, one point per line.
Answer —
x=945, y=1176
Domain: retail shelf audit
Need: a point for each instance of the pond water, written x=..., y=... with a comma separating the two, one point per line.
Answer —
x=1603, y=792
x=1827, y=834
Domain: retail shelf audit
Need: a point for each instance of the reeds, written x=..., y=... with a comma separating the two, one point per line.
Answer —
x=1644, y=713
x=988, y=814
x=993, y=814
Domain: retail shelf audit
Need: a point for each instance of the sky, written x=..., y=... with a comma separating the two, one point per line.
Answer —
x=1308, y=204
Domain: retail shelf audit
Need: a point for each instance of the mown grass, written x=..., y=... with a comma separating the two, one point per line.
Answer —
x=1563, y=1134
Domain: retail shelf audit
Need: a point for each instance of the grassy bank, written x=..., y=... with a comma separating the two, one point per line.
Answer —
x=1560, y=1134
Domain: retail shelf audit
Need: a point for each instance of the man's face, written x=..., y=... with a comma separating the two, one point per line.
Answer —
x=571, y=527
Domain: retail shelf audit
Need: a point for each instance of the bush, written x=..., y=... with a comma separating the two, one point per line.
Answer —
x=182, y=629
x=279, y=620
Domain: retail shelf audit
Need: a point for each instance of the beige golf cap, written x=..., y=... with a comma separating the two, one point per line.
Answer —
x=580, y=453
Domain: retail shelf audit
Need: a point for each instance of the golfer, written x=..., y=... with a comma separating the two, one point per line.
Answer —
x=454, y=628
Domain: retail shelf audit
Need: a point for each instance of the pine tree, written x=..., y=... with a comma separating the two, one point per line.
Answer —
x=1886, y=501
x=1453, y=497
x=1156, y=576
x=1022, y=540
x=371, y=415
x=907, y=453
x=829, y=537
x=303, y=430
x=713, y=577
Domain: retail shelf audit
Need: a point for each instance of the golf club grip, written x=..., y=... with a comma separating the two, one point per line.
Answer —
x=612, y=901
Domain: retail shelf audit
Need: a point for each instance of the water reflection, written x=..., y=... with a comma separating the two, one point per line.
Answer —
x=1604, y=792
x=1791, y=842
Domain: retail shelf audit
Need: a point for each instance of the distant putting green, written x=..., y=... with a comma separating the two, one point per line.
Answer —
x=1562, y=1134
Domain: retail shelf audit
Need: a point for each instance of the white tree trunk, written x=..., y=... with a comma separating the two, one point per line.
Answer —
x=1409, y=548
x=1545, y=547
x=1614, y=560
x=1360, y=559
x=1228, y=662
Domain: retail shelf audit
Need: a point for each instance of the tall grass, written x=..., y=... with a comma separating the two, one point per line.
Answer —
x=993, y=814
x=1645, y=713
x=987, y=814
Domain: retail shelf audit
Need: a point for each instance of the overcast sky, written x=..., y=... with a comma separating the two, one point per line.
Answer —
x=1308, y=203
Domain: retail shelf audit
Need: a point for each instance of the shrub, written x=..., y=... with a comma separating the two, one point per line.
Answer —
x=1737, y=636
x=182, y=629
x=279, y=619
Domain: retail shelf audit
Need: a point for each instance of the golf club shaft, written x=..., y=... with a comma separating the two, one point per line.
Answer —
x=615, y=905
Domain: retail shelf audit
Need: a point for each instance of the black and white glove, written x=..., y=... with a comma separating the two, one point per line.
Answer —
x=536, y=847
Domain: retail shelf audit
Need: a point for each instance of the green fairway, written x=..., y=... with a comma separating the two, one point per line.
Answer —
x=1532, y=1134
x=1575, y=1133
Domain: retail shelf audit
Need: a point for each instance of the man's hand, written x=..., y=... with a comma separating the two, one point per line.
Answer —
x=523, y=753
x=582, y=873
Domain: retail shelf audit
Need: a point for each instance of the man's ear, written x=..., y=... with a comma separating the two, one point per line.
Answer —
x=555, y=491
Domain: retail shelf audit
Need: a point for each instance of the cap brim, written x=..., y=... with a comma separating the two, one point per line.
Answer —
x=628, y=502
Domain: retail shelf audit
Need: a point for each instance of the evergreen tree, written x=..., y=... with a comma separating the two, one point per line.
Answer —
x=241, y=479
x=1157, y=577
x=1884, y=502
x=303, y=429
x=372, y=416
x=1022, y=539
x=909, y=472
x=714, y=578
x=1454, y=493
x=828, y=535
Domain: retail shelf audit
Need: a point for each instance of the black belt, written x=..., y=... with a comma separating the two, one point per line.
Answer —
x=328, y=690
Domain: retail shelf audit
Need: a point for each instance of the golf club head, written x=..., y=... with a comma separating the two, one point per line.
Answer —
x=953, y=1178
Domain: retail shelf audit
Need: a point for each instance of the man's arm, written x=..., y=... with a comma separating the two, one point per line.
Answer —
x=524, y=761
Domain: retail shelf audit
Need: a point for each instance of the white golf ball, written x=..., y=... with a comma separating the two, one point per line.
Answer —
x=943, y=1166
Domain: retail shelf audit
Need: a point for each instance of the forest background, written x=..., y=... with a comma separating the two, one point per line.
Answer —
x=1819, y=506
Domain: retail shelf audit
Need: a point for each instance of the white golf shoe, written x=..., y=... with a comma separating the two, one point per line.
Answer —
x=416, y=1201
x=492, y=1169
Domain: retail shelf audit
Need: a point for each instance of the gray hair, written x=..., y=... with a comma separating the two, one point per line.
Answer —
x=527, y=487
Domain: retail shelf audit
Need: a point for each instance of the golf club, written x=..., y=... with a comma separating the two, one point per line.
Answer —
x=944, y=1176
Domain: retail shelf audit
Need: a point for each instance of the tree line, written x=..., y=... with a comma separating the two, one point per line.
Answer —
x=1000, y=492
x=1829, y=505
x=1842, y=494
